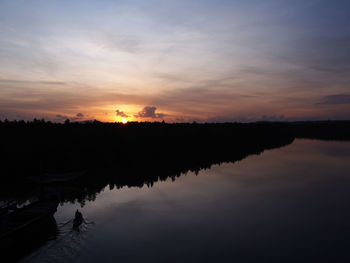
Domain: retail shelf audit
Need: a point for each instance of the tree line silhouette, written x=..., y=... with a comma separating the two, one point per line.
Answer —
x=39, y=147
x=136, y=154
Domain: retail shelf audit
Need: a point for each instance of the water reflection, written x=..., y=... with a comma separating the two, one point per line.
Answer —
x=286, y=205
x=67, y=245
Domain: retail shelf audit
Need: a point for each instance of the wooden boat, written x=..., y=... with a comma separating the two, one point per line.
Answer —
x=77, y=222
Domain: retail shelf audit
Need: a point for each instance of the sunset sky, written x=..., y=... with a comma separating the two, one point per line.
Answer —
x=175, y=60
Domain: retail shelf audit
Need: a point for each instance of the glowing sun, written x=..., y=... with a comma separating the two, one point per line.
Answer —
x=124, y=121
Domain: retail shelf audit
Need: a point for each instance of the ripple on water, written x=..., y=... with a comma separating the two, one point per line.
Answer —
x=66, y=247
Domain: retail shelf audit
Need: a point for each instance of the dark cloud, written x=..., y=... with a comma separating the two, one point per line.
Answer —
x=274, y=118
x=121, y=114
x=336, y=99
x=150, y=112
x=78, y=117
x=60, y=117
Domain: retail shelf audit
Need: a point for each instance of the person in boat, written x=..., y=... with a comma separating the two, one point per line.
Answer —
x=78, y=219
x=78, y=215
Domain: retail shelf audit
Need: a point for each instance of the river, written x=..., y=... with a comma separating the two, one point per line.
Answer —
x=284, y=205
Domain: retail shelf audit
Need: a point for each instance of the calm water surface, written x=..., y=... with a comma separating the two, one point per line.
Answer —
x=284, y=205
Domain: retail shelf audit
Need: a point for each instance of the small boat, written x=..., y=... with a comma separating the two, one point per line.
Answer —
x=77, y=222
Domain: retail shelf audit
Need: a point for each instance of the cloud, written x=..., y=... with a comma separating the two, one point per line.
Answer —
x=15, y=81
x=336, y=99
x=328, y=54
x=35, y=98
x=80, y=115
x=121, y=114
x=60, y=117
x=121, y=43
x=232, y=118
x=150, y=112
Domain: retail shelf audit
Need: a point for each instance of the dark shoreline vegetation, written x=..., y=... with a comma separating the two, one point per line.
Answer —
x=136, y=154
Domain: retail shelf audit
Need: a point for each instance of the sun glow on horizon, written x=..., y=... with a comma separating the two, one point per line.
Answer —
x=124, y=121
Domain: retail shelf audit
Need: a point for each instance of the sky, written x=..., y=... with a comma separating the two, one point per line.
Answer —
x=175, y=60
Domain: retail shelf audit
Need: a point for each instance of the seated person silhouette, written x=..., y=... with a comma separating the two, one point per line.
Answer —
x=78, y=219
